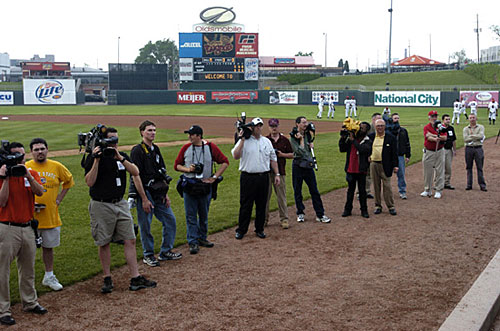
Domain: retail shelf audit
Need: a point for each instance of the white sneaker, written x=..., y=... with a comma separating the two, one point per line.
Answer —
x=437, y=195
x=52, y=282
x=300, y=217
x=426, y=194
x=323, y=219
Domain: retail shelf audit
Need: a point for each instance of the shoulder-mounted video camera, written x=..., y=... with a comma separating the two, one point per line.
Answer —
x=349, y=125
x=310, y=128
x=242, y=125
x=390, y=126
x=97, y=137
x=12, y=161
x=439, y=127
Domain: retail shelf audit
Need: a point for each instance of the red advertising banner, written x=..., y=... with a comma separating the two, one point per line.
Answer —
x=191, y=97
x=234, y=96
x=247, y=45
x=483, y=98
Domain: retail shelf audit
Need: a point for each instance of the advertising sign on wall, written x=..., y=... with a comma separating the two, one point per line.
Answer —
x=408, y=98
x=191, y=97
x=190, y=44
x=247, y=45
x=6, y=98
x=233, y=96
x=252, y=69
x=483, y=98
x=49, y=92
x=316, y=95
x=218, y=44
x=284, y=97
x=186, y=69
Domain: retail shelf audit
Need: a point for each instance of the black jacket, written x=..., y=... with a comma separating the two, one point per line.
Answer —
x=404, y=148
x=389, y=152
x=364, y=148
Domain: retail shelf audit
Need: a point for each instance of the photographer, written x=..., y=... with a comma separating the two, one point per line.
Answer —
x=433, y=159
x=148, y=158
x=450, y=150
x=303, y=170
x=105, y=174
x=17, y=238
x=195, y=160
x=257, y=157
x=358, y=148
x=404, y=153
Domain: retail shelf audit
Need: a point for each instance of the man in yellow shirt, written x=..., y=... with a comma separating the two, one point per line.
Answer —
x=52, y=174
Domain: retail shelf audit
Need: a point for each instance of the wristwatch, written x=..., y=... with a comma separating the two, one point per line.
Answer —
x=214, y=177
x=278, y=174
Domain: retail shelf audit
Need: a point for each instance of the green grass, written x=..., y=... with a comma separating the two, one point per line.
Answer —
x=76, y=259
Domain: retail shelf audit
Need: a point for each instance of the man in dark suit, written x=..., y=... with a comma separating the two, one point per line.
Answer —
x=384, y=162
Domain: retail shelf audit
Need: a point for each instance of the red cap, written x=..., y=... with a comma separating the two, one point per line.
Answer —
x=433, y=113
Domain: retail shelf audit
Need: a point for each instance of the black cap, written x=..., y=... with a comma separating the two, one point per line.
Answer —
x=195, y=129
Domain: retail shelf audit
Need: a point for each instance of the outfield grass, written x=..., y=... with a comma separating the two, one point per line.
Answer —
x=76, y=259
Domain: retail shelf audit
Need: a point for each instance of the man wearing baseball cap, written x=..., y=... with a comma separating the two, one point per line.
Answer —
x=433, y=159
x=257, y=157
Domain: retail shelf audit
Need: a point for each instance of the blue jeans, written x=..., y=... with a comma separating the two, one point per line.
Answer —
x=401, y=174
x=300, y=175
x=165, y=216
x=196, y=216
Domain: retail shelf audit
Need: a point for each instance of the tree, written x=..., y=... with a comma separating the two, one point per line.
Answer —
x=496, y=30
x=304, y=54
x=460, y=57
x=341, y=64
x=161, y=52
x=346, y=66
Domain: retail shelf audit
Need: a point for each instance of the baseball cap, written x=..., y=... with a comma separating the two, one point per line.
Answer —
x=273, y=122
x=433, y=113
x=257, y=120
x=195, y=129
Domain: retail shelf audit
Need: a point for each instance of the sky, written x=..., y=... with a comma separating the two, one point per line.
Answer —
x=91, y=32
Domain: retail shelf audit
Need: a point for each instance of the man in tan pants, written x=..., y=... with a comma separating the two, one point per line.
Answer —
x=284, y=151
x=383, y=163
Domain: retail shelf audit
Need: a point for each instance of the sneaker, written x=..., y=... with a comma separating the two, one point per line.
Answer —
x=205, y=243
x=323, y=219
x=52, y=282
x=437, y=195
x=169, y=256
x=151, y=261
x=426, y=194
x=7, y=320
x=377, y=211
x=108, y=285
x=449, y=187
x=194, y=248
x=140, y=282
x=393, y=212
x=301, y=218
x=370, y=196
x=403, y=196
x=284, y=224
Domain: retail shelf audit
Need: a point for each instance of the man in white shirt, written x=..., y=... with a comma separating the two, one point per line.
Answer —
x=493, y=111
x=257, y=156
x=331, y=108
x=457, y=105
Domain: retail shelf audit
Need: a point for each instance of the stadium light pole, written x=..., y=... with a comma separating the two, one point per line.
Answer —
x=390, y=37
x=326, y=39
x=477, y=30
x=118, y=50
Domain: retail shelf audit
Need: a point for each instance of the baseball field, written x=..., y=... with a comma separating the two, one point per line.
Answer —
x=387, y=272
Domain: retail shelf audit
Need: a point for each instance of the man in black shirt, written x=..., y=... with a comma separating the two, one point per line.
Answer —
x=404, y=153
x=450, y=151
x=106, y=174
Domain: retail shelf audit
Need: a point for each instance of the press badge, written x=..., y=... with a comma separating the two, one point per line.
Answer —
x=118, y=181
x=26, y=182
x=120, y=165
x=157, y=158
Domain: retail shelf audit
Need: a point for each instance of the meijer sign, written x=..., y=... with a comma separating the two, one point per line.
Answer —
x=408, y=98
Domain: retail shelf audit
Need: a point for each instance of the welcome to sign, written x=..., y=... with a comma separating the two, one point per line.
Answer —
x=408, y=98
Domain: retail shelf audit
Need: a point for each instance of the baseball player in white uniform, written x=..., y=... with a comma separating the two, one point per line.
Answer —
x=353, y=107
x=321, y=103
x=387, y=111
x=457, y=106
x=462, y=107
x=473, y=107
x=331, y=108
x=347, y=104
x=493, y=111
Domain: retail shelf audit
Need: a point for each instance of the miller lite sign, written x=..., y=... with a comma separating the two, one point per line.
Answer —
x=49, y=92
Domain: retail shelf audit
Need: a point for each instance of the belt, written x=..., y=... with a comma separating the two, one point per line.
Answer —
x=21, y=225
x=474, y=146
x=108, y=200
x=377, y=161
x=255, y=173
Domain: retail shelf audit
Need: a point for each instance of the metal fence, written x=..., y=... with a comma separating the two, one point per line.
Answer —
x=389, y=87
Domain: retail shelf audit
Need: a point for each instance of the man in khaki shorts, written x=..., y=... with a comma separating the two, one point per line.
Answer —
x=106, y=173
x=52, y=174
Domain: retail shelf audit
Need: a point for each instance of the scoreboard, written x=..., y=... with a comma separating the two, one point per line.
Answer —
x=218, y=56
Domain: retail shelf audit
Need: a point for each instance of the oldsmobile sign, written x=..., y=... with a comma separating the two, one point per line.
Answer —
x=218, y=19
x=408, y=98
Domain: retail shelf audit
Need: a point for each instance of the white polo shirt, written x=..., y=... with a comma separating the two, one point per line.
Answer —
x=256, y=155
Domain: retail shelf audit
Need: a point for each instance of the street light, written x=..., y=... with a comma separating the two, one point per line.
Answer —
x=390, y=37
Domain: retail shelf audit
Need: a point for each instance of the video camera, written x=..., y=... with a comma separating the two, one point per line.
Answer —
x=390, y=126
x=349, y=125
x=241, y=125
x=309, y=128
x=12, y=161
x=439, y=127
x=97, y=137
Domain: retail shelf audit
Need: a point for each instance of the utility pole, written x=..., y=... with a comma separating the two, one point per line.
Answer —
x=390, y=38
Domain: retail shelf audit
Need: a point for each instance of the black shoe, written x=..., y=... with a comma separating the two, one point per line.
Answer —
x=239, y=236
x=7, y=320
x=377, y=211
x=346, y=213
x=468, y=188
x=484, y=189
x=261, y=235
x=205, y=243
x=370, y=196
x=108, y=285
x=140, y=282
x=449, y=187
x=365, y=214
x=38, y=309
x=169, y=256
x=194, y=248
x=392, y=212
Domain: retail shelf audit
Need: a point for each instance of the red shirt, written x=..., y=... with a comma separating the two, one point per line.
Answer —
x=284, y=146
x=353, y=161
x=431, y=145
x=21, y=203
